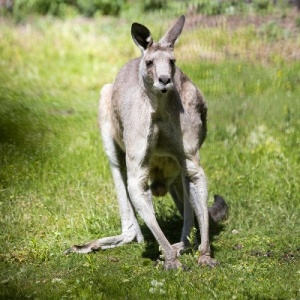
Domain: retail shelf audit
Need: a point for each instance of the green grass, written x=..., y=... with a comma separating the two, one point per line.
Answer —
x=55, y=183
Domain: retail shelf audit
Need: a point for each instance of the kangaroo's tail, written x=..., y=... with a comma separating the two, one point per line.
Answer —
x=218, y=212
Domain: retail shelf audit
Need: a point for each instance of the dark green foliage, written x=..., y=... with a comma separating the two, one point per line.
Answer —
x=61, y=8
x=106, y=7
x=210, y=8
x=262, y=4
x=89, y=8
x=154, y=4
x=298, y=22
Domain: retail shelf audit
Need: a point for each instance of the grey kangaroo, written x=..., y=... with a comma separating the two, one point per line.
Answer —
x=153, y=122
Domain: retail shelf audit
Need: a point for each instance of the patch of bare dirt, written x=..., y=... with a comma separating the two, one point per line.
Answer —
x=285, y=20
x=277, y=37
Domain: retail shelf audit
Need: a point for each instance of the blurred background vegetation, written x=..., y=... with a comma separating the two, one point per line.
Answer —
x=55, y=183
x=89, y=8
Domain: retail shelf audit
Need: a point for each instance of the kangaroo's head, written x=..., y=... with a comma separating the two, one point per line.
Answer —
x=158, y=61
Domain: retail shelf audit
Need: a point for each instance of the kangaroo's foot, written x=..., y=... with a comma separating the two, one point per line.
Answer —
x=172, y=264
x=206, y=260
x=105, y=243
x=180, y=247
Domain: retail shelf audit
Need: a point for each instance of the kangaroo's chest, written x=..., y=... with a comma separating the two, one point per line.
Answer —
x=168, y=138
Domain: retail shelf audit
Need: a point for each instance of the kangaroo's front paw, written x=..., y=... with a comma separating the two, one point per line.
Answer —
x=206, y=260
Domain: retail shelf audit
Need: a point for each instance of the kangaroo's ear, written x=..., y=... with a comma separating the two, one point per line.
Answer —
x=173, y=33
x=141, y=36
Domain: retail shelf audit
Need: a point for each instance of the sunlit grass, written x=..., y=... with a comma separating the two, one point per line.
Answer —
x=55, y=183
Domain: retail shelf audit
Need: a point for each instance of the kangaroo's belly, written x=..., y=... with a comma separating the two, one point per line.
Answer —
x=163, y=171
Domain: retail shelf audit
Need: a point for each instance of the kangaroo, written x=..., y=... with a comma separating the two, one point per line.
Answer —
x=153, y=122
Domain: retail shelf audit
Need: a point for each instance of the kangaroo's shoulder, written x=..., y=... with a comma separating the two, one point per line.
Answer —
x=130, y=69
x=193, y=102
x=188, y=91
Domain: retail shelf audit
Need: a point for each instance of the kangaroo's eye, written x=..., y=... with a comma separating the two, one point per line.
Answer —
x=172, y=62
x=149, y=63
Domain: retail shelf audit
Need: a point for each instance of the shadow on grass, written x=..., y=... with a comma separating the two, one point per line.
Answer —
x=172, y=226
x=20, y=122
x=24, y=126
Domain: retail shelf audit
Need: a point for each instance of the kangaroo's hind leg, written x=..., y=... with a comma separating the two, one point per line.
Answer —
x=130, y=227
x=182, y=202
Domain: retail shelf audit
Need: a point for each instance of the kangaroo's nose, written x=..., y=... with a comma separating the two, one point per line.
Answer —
x=164, y=79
